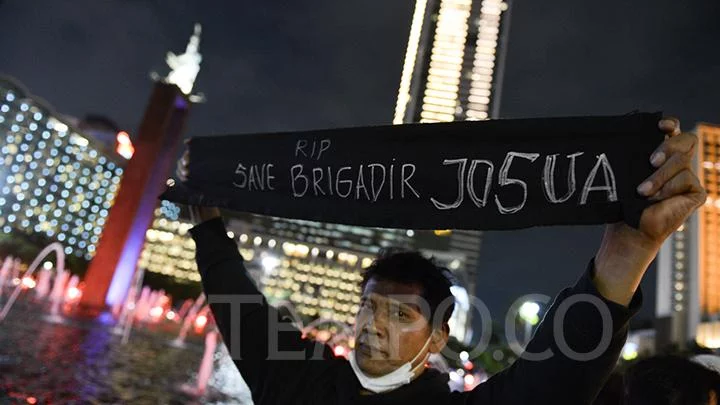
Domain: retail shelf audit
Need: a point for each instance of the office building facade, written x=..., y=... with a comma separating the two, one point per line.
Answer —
x=57, y=180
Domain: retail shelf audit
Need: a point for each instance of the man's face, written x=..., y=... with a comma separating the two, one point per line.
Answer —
x=390, y=328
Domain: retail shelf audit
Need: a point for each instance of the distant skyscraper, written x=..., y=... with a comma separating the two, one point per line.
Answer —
x=59, y=178
x=450, y=74
x=709, y=220
x=688, y=284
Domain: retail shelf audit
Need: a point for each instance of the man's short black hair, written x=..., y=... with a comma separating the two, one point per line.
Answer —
x=669, y=380
x=411, y=267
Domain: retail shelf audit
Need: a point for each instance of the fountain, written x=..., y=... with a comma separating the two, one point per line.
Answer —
x=57, y=295
x=122, y=308
x=129, y=307
x=72, y=293
x=43, y=285
x=60, y=258
x=201, y=319
x=142, y=303
x=184, y=308
x=187, y=321
x=206, y=364
x=5, y=272
x=206, y=367
x=16, y=271
x=152, y=301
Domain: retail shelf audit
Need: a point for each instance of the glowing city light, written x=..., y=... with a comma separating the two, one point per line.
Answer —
x=339, y=351
x=529, y=312
x=28, y=282
x=630, y=351
x=73, y=293
x=469, y=379
x=124, y=146
x=269, y=263
x=200, y=321
x=156, y=312
x=464, y=356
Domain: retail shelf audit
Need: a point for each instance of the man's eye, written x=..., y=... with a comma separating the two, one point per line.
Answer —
x=402, y=314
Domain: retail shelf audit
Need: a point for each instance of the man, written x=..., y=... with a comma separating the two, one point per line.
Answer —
x=572, y=355
x=671, y=380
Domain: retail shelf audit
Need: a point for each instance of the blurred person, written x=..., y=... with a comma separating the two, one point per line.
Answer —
x=396, y=336
x=671, y=380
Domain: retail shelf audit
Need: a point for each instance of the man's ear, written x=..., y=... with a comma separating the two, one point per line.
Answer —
x=439, y=338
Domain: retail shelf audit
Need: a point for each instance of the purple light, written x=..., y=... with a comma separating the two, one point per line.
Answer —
x=122, y=278
x=126, y=265
x=180, y=102
x=106, y=318
x=133, y=246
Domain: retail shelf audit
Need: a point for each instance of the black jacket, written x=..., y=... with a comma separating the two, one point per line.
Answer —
x=315, y=376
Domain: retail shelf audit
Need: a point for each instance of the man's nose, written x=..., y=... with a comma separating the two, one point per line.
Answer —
x=376, y=325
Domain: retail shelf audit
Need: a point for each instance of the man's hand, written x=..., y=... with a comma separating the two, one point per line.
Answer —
x=197, y=214
x=625, y=252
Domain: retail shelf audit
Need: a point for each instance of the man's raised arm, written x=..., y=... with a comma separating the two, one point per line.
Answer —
x=571, y=354
x=586, y=327
x=265, y=349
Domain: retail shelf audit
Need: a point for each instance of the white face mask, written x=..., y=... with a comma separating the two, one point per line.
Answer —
x=395, y=379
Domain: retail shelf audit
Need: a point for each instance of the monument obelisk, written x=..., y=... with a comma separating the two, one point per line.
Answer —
x=110, y=273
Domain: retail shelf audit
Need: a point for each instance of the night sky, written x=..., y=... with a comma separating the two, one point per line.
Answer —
x=272, y=65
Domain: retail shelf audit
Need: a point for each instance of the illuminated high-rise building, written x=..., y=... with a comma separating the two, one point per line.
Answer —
x=709, y=220
x=58, y=179
x=452, y=72
x=688, y=284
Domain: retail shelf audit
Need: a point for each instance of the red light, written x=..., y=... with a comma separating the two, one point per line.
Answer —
x=468, y=365
x=339, y=351
x=200, y=321
x=156, y=312
x=28, y=282
x=123, y=138
x=125, y=147
x=469, y=379
x=73, y=293
x=31, y=400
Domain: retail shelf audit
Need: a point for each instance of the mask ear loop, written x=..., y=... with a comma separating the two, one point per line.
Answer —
x=425, y=346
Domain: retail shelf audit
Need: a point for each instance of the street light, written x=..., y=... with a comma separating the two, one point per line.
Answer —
x=529, y=311
x=630, y=351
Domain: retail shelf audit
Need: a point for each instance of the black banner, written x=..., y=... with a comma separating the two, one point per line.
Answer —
x=503, y=174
